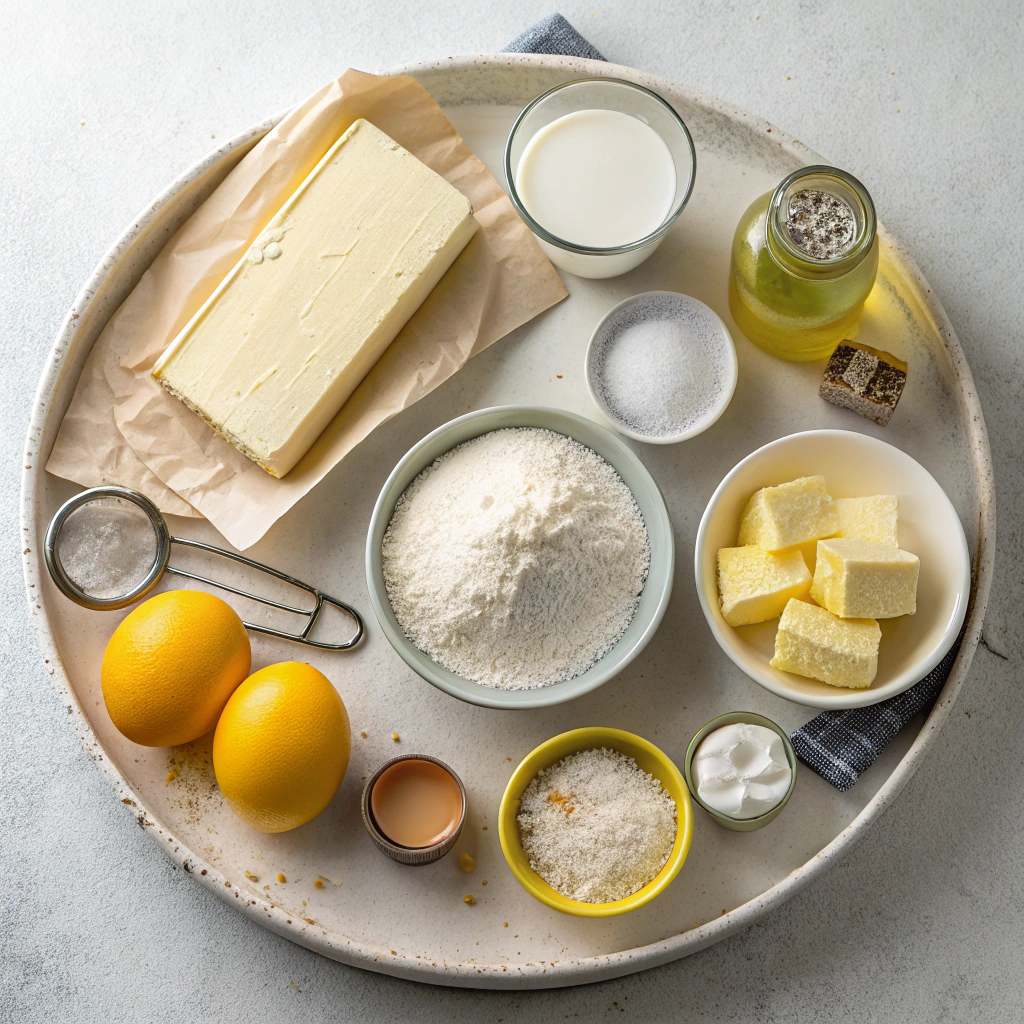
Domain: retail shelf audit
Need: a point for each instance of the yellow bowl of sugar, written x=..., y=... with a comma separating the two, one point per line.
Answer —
x=649, y=759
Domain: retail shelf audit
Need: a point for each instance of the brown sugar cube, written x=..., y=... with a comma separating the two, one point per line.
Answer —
x=864, y=380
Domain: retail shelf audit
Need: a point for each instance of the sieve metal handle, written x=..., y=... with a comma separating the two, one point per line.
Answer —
x=311, y=614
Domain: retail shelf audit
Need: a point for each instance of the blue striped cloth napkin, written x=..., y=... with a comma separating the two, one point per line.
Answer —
x=554, y=35
x=839, y=745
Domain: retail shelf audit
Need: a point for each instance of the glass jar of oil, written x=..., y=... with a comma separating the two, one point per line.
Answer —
x=804, y=259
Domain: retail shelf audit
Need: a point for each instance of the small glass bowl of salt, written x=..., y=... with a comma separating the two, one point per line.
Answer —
x=661, y=367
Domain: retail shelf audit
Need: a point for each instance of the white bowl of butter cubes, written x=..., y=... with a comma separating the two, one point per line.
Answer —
x=832, y=569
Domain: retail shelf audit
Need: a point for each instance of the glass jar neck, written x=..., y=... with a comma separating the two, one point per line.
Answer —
x=833, y=183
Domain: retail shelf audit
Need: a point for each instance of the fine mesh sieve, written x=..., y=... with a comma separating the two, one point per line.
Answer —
x=108, y=546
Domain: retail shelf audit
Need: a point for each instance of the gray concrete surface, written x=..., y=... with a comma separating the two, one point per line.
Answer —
x=102, y=103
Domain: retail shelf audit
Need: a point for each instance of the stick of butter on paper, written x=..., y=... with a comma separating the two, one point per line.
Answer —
x=275, y=352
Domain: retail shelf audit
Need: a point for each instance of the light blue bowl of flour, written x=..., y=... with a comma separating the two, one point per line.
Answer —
x=653, y=600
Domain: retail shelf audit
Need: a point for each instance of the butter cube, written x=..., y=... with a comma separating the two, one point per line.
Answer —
x=860, y=579
x=872, y=518
x=755, y=585
x=813, y=642
x=779, y=517
x=270, y=358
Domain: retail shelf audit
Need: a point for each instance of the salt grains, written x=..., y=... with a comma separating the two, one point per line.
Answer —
x=596, y=827
x=661, y=365
x=107, y=547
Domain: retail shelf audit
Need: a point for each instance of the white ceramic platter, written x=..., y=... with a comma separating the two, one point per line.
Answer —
x=412, y=922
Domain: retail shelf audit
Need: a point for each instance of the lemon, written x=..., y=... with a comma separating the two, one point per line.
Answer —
x=171, y=665
x=281, y=746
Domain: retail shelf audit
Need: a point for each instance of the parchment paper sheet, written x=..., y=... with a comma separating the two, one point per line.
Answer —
x=122, y=427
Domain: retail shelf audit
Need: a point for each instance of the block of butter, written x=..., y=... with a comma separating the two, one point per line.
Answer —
x=794, y=512
x=875, y=518
x=755, y=585
x=288, y=335
x=860, y=579
x=813, y=642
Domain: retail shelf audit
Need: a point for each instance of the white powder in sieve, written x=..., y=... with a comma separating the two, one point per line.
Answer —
x=517, y=559
x=660, y=364
x=107, y=547
x=596, y=827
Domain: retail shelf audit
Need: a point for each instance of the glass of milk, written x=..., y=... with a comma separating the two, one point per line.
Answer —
x=599, y=169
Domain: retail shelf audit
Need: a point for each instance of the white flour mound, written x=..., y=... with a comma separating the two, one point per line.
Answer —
x=596, y=827
x=517, y=559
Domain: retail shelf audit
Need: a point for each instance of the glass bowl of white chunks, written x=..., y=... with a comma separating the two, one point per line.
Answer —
x=832, y=569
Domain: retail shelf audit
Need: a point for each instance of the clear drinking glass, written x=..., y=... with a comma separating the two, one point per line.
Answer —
x=602, y=94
